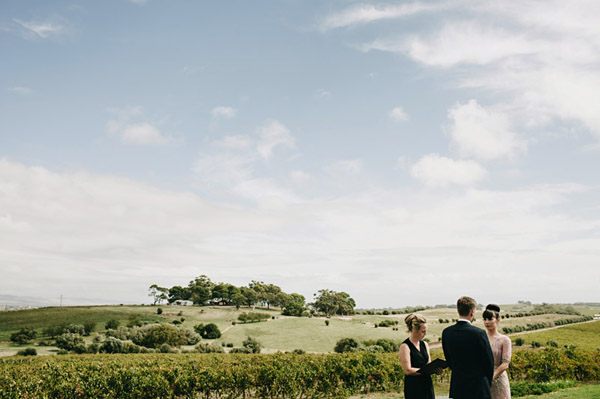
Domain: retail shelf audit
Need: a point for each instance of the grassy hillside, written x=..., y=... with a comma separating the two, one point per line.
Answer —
x=280, y=333
x=52, y=316
x=584, y=335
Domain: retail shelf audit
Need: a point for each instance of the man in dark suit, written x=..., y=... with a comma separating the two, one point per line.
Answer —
x=469, y=355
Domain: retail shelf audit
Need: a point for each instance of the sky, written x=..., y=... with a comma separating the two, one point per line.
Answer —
x=405, y=152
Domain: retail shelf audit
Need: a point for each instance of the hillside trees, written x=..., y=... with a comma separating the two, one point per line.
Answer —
x=158, y=294
x=294, y=305
x=331, y=303
x=201, y=288
x=179, y=293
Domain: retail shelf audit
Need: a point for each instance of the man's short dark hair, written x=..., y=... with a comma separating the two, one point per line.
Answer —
x=465, y=304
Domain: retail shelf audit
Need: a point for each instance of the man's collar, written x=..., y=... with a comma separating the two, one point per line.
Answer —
x=468, y=321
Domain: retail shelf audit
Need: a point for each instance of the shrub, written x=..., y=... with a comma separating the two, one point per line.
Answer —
x=253, y=317
x=386, y=345
x=27, y=352
x=535, y=344
x=240, y=350
x=23, y=336
x=154, y=335
x=74, y=329
x=552, y=344
x=88, y=327
x=299, y=351
x=53, y=331
x=159, y=311
x=252, y=345
x=208, y=348
x=327, y=322
x=112, y=345
x=519, y=341
x=208, y=331
x=166, y=348
x=387, y=323
x=112, y=324
x=122, y=333
x=71, y=342
x=346, y=345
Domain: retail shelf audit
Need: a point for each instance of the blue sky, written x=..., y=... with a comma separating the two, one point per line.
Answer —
x=406, y=152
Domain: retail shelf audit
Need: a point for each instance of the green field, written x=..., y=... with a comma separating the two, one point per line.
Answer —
x=583, y=335
x=281, y=333
x=582, y=392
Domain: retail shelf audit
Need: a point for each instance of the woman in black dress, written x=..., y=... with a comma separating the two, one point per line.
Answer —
x=414, y=354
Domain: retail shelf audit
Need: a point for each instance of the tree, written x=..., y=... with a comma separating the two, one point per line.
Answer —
x=179, y=293
x=224, y=292
x=331, y=302
x=252, y=345
x=158, y=294
x=23, y=336
x=112, y=324
x=293, y=305
x=208, y=331
x=346, y=345
x=250, y=296
x=201, y=289
x=238, y=299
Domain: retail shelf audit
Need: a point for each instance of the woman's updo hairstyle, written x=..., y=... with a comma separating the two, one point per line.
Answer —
x=414, y=321
x=491, y=311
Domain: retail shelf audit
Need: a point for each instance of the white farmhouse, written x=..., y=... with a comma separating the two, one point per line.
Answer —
x=182, y=302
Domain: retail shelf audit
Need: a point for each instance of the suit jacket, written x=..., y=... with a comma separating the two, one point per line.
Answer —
x=469, y=355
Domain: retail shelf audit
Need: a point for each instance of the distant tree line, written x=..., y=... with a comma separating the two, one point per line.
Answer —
x=203, y=291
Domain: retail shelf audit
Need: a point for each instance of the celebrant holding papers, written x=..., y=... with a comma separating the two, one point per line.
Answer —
x=416, y=361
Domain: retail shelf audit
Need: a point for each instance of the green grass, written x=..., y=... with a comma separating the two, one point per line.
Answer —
x=52, y=316
x=279, y=334
x=583, y=335
x=581, y=392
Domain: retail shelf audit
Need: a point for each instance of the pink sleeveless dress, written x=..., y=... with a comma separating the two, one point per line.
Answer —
x=502, y=350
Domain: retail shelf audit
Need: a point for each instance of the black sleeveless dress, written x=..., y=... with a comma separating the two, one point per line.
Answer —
x=418, y=386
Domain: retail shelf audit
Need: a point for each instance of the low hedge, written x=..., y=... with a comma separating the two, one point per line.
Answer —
x=252, y=375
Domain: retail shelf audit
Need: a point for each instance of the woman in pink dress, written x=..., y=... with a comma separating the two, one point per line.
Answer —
x=502, y=350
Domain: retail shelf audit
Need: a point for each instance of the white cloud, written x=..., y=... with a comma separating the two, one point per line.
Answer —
x=223, y=112
x=78, y=233
x=322, y=93
x=228, y=166
x=41, y=29
x=459, y=43
x=437, y=171
x=366, y=13
x=483, y=133
x=345, y=167
x=398, y=114
x=538, y=59
x=273, y=134
x=21, y=90
x=131, y=128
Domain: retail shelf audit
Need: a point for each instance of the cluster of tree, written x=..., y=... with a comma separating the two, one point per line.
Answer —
x=405, y=310
x=253, y=317
x=331, y=303
x=548, y=324
x=203, y=291
x=387, y=323
x=352, y=345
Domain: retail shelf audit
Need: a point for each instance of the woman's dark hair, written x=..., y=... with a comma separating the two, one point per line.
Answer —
x=491, y=311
